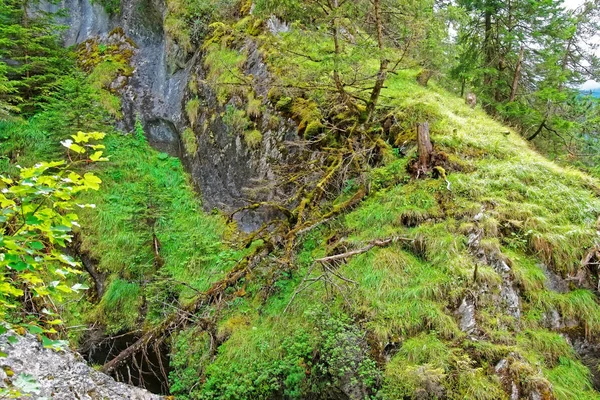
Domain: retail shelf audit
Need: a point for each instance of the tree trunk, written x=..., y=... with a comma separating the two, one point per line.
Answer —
x=517, y=76
x=383, y=63
x=424, y=146
x=538, y=131
x=335, y=31
x=487, y=43
x=424, y=76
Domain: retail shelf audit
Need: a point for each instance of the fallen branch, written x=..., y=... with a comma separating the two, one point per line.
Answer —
x=211, y=296
x=374, y=243
x=327, y=269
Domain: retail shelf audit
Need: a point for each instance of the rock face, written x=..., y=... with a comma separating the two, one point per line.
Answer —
x=60, y=375
x=224, y=167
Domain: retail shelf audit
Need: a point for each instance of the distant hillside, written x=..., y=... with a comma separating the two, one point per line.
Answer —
x=594, y=92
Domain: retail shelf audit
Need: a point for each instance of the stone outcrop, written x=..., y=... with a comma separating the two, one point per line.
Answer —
x=59, y=375
x=224, y=168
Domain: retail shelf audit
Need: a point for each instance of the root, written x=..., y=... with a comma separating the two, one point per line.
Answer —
x=180, y=319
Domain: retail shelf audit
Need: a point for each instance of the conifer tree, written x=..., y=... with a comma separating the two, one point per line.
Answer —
x=30, y=53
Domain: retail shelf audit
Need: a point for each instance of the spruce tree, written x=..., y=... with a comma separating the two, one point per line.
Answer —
x=31, y=54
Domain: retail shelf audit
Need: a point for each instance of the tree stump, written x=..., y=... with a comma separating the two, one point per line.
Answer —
x=424, y=147
x=424, y=76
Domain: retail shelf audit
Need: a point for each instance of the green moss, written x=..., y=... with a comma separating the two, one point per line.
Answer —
x=284, y=104
x=236, y=120
x=189, y=141
x=313, y=129
x=193, y=85
x=192, y=107
x=253, y=138
x=305, y=112
x=254, y=107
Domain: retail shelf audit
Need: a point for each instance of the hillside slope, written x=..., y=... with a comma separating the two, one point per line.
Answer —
x=320, y=263
x=488, y=299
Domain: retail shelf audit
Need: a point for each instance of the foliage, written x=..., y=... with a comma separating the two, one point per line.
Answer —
x=32, y=57
x=148, y=234
x=307, y=362
x=112, y=7
x=525, y=61
x=253, y=138
x=38, y=216
x=190, y=143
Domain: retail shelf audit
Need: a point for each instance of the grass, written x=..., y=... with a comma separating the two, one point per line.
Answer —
x=402, y=297
x=147, y=204
x=533, y=212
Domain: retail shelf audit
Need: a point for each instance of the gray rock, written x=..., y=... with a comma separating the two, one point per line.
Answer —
x=467, y=315
x=224, y=169
x=277, y=26
x=510, y=299
x=61, y=375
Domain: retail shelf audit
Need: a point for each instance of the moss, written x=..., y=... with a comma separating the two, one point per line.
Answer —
x=255, y=28
x=236, y=120
x=254, y=108
x=253, y=138
x=245, y=7
x=275, y=93
x=193, y=86
x=190, y=143
x=313, y=129
x=192, y=107
x=284, y=104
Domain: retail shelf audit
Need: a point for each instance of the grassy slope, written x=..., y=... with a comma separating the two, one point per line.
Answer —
x=405, y=296
x=144, y=195
x=535, y=212
x=147, y=201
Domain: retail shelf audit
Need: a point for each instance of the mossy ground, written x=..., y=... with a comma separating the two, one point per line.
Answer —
x=405, y=296
x=390, y=331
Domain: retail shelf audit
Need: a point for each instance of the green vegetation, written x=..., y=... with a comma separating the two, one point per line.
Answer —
x=38, y=217
x=467, y=275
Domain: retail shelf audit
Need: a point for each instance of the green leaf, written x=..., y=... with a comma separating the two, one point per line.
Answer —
x=27, y=384
x=72, y=146
x=163, y=156
x=92, y=181
x=36, y=245
x=78, y=286
x=54, y=344
x=34, y=329
x=32, y=220
x=96, y=156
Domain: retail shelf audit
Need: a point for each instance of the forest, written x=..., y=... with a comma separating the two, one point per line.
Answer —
x=300, y=199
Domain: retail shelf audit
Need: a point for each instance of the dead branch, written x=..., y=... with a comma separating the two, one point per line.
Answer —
x=374, y=243
x=177, y=320
x=328, y=269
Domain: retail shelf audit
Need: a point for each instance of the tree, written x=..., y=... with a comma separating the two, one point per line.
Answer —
x=31, y=54
x=37, y=218
x=73, y=105
x=526, y=59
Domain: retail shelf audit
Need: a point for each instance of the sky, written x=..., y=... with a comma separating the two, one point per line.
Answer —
x=570, y=4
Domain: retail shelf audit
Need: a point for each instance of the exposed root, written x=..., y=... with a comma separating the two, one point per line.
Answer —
x=182, y=318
